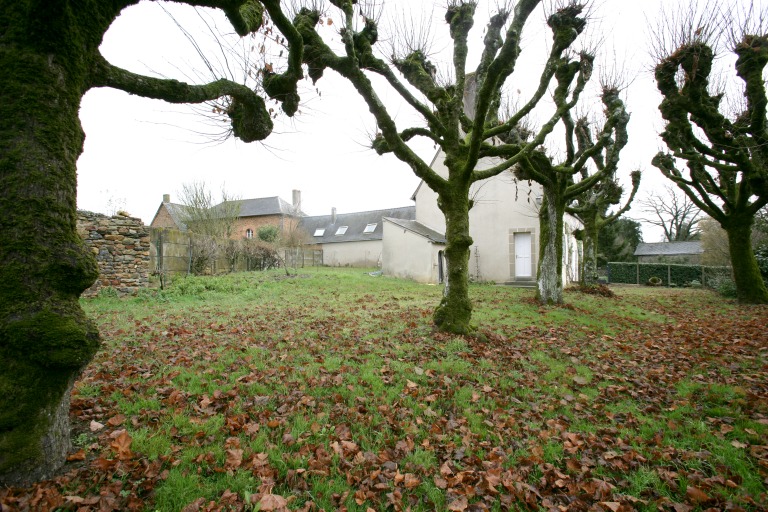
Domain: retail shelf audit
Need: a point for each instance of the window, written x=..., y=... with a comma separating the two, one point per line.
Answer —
x=341, y=230
x=370, y=228
x=249, y=233
x=319, y=232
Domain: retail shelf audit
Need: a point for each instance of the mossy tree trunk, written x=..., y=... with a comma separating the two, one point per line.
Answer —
x=549, y=279
x=750, y=287
x=45, y=338
x=726, y=152
x=558, y=179
x=460, y=118
x=588, y=272
x=454, y=312
x=49, y=57
x=591, y=208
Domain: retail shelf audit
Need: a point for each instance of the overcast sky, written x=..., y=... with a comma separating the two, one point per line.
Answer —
x=138, y=149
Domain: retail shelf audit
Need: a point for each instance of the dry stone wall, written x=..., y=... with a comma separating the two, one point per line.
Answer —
x=121, y=245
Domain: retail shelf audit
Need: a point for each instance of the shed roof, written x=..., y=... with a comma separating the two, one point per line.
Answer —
x=669, y=248
x=355, y=223
x=420, y=229
x=177, y=213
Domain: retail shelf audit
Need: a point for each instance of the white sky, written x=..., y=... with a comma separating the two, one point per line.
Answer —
x=138, y=149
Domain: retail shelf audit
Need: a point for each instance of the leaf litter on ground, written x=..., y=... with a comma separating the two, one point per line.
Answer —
x=333, y=392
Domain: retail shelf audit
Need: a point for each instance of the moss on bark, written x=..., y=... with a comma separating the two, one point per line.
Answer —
x=50, y=58
x=549, y=288
x=454, y=312
x=750, y=287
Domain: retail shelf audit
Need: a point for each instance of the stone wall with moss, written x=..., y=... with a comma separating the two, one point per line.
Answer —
x=121, y=245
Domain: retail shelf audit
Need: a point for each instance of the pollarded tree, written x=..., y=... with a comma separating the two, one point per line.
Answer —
x=726, y=152
x=591, y=208
x=465, y=134
x=49, y=54
x=570, y=179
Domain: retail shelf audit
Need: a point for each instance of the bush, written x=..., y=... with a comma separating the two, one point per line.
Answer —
x=654, y=281
x=724, y=285
x=761, y=254
x=268, y=234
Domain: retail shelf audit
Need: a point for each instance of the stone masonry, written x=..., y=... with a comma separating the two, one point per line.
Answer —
x=121, y=246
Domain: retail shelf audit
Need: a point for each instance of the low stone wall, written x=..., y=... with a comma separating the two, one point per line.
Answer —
x=121, y=245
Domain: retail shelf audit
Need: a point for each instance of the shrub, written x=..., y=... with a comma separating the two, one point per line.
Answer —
x=724, y=285
x=761, y=254
x=268, y=234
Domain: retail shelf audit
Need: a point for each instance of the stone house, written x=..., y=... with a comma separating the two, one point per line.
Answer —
x=253, y=214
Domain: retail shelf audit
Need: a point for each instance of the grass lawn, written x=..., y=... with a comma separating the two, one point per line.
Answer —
x=330, y=391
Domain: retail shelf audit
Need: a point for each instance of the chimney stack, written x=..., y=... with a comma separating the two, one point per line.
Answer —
x=166, y=198
x=297, y=201
x=333, y=215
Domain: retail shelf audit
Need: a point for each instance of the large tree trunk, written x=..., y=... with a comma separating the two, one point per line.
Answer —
x=750, y=287
x=550, y=273
x=588, y=275
x=45, y=338
x=454, y=312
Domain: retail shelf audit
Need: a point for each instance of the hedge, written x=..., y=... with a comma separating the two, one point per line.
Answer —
x=678, y=275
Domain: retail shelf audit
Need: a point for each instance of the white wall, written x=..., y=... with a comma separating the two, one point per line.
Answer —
x=501, y=206
x=366, y=253
x=408, y=255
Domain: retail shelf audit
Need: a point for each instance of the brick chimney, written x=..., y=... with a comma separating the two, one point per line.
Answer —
x=297, y=201
x=166, y=198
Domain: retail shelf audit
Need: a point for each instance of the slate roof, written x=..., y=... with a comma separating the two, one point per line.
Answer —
x=669, y=248
x=176, y=211
x=355, y=222
x=420, y=229
x=259, y=206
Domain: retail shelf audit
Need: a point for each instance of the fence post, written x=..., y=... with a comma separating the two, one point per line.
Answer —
x=669, y=275
x=637, y=266
x=189, y=259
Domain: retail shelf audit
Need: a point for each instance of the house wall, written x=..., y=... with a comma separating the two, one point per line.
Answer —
x=366, y=253
x=502, y=207
x=163, y=218
x=408, y=255
x=242, y=224
x=681, y=259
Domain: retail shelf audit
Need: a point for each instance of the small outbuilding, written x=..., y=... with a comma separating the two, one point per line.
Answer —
x=670, y=252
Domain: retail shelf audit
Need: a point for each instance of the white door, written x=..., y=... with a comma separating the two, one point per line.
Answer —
x=523, y=255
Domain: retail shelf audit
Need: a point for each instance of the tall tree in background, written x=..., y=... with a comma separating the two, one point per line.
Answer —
x=49, y=54
x=673, y=212
x=574, y=177
x=591, y=208
x=725, y=147
x=212, y=223
x=618, y=240
x=468, y=133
